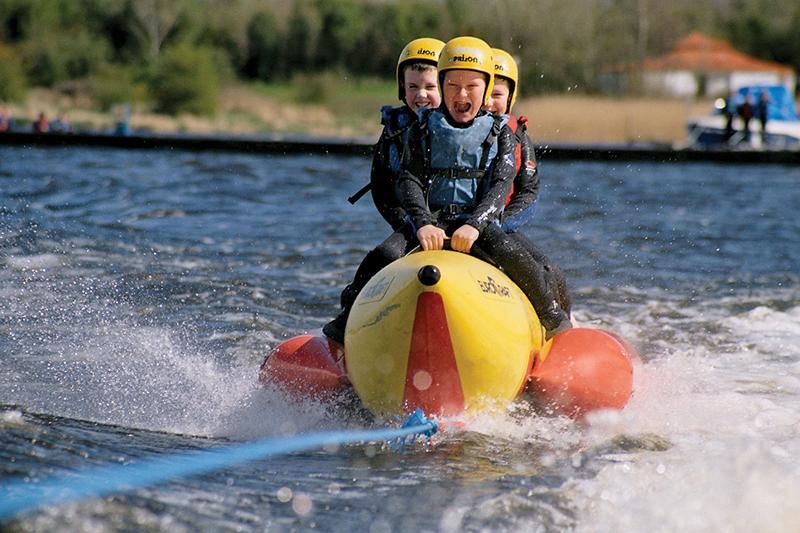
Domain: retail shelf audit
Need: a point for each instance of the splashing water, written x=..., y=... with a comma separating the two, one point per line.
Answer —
x=139, y=298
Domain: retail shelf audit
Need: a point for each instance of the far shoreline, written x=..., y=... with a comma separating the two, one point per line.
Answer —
x=287, y=144
x=245, y=110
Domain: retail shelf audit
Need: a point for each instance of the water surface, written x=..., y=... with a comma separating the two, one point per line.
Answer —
x=141, y=290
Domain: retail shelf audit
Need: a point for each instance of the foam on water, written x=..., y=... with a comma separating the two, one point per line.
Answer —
x=711, y=435
x=730, y=467
x=141, y=377
x=33, y=262
x=77, y=349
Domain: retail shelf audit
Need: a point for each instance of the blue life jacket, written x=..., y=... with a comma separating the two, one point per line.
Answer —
x=458, y=161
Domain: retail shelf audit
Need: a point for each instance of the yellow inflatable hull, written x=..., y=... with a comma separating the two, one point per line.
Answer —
x=443, y=331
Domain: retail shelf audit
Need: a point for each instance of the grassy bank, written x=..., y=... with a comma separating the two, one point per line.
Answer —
x=329, y=105
x=583, y=119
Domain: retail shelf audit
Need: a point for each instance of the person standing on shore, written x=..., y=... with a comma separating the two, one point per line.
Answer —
x=42, y=125
x=730, y=112
x=61, y=124
x=5, y=119
x=746, y=112
x=762, y=113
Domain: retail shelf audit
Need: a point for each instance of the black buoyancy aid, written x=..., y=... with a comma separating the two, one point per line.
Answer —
x=397, y=122
x=457, y=160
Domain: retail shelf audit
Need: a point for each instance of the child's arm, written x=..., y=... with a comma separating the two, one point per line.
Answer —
x=382, y=181
x=429, y=235
x=412, y=192
x=526, y=182
x=501, y=178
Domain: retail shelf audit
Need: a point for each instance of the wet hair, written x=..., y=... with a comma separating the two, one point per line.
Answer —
x=509, y=81
x=418, y=66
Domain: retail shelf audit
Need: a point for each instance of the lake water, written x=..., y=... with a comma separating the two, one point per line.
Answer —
x=141, y=289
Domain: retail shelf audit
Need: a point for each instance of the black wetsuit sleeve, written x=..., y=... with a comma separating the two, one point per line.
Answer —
x=382, y=180
x=500, y=180
x=526, y=182
x=412, y=188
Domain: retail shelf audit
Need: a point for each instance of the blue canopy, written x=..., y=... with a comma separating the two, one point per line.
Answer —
x=781, y=104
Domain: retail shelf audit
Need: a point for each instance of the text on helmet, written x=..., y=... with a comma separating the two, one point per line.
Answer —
x=464, y=59
x=467, y=53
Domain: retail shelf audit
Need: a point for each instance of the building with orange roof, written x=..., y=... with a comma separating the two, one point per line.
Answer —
x=700, y=65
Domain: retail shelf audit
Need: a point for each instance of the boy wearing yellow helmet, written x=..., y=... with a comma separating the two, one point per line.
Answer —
x=457, y=172
x=416, y=74
x=521, y=202
x=418, y=89
x=525, y=189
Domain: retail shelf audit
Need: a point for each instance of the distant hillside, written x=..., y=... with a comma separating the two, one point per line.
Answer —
x=174, y=56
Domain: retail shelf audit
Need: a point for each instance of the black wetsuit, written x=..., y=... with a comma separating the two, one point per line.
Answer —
x=385, y=169
x=522, y=207
x=509, y=253
x=384, y=176
x=526, y=184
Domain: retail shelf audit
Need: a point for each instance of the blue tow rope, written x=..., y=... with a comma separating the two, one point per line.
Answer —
x=18, y=496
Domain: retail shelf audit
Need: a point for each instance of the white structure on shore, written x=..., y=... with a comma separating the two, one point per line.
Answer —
x=699, y=65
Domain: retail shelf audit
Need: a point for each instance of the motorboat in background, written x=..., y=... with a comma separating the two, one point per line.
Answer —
x=718, y=131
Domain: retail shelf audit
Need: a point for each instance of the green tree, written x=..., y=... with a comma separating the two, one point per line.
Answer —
x=58, y=41
x=13, y=84
x=343, y=21
x=13, y=14
x=227, y=31
x=186, y=80
x=263, y=47
x=387, y=29
x=766, y=29
x=114, y=84
x=152, y=22
x=300, y=45
x=560, y=44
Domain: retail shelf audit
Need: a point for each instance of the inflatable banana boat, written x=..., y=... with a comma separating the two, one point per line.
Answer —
x=449, y=333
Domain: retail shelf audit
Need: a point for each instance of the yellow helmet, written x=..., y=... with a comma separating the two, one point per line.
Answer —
x=505, y=66
x=424, y=49
x=468, y=53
